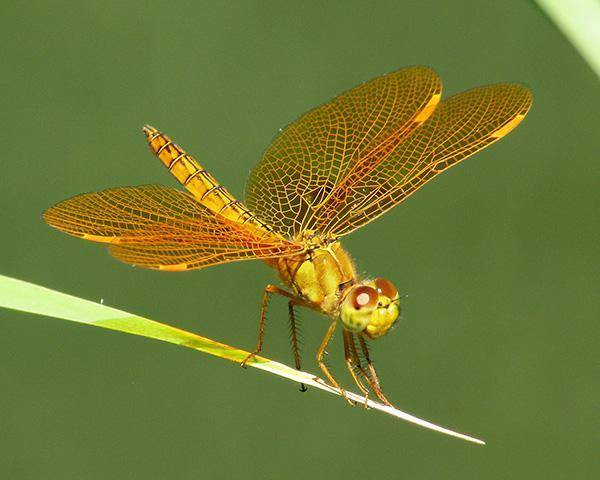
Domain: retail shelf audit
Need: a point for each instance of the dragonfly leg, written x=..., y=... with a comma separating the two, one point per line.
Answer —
x=353, y=362
x=269, y=289
x=324, y=369
x=370, y=375
x=294, y=334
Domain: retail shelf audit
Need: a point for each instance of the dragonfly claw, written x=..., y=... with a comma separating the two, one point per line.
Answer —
x=247, y=359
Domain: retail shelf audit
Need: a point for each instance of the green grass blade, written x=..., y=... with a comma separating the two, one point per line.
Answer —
x=27, y=297
x=579, y=20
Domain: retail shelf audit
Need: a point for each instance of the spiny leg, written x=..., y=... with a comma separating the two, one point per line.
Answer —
x=352, y=361
x=371, y=375
x=294, y=334
x=269, y=289
x=322, y=365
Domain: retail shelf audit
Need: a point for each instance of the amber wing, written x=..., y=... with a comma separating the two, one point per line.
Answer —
x=162, y=228
x=345, y=163
x=305, y=163
x=460, y=127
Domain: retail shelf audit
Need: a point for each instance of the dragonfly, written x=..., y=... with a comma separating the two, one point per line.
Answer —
x=330, y=172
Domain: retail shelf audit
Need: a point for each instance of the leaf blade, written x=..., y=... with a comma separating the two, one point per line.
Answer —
x=27, y=297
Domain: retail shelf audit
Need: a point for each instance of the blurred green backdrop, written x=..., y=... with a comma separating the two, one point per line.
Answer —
x=499, y=256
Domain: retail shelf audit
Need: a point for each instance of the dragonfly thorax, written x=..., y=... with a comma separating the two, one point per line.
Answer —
x=318, y=276
x=314, y=240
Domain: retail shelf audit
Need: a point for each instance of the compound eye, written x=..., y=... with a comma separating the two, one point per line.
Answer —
x=363, y=296
x=385, y=287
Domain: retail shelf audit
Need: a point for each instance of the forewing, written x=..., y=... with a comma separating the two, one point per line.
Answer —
x=162, y=228
x=460, y=126
x=314, y=154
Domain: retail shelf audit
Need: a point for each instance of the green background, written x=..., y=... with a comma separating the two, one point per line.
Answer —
x=498, y=257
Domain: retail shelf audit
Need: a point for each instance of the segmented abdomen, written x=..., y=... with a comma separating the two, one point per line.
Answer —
x=198, y=181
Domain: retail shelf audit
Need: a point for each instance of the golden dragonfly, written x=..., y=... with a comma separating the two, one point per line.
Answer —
x=330, y=172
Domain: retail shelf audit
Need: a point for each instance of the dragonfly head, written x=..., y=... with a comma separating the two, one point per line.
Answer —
x=370, y=307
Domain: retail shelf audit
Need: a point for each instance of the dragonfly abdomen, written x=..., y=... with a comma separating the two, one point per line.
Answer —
x=191, y=175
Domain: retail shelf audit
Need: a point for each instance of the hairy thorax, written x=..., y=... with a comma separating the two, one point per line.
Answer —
x=318, y=275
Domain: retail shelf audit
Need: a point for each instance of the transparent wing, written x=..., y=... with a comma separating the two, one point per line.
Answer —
x=310, y=157
x=460, y=126
x=162, y=228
